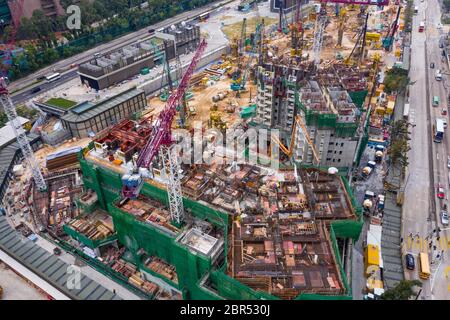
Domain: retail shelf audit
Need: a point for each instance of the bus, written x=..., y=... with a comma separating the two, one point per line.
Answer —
x=53, y=77
x=203, y=17
x=424, y=266
x=438, y=130
x=421, y=26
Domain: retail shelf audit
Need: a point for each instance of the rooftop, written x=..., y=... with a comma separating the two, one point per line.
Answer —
x=88, y=110
x=7, y=132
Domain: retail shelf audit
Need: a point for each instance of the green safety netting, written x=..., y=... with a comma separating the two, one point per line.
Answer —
x=190, y=266
x=358, y=97
x=89, y=242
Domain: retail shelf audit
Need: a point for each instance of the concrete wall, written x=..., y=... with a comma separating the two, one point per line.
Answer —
x=154, y=85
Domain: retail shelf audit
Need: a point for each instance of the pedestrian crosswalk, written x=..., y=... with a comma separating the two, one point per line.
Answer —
x=423, y=245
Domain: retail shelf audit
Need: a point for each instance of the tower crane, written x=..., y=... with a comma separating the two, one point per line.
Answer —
x=19, y=132
x=282, y=24
x=389, y=39
x=297, y=31
x=161, y=141
x=243, y=36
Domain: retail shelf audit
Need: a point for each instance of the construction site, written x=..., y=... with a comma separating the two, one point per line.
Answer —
x=124, y=202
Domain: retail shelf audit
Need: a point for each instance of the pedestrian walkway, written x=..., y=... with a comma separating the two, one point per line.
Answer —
x=419, y=244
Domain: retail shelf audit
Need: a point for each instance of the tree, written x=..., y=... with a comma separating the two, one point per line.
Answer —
x=447, y=5
x=404, y=290
x=398, y=150
x=396, y=80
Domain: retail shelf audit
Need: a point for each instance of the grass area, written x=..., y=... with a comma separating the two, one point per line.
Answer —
x=234, y=30
x=61, y=103
x=157, y=40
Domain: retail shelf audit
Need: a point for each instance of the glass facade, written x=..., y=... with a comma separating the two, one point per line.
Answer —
x=106, y=118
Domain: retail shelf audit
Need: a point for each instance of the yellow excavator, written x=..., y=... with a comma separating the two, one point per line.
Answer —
x=297, y=123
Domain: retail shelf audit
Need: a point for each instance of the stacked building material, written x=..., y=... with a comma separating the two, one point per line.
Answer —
x=62, y=159
x=93, y=230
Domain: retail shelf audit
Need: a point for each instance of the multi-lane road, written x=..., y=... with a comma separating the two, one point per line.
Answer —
x=64, y=66
x=427, y=160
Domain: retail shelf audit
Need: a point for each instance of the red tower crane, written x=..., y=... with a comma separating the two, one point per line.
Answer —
x=161, y=140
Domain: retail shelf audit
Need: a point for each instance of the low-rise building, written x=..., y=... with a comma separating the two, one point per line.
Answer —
x=89, y=118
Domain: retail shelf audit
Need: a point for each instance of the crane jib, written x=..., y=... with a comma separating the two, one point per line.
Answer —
x=163, y=125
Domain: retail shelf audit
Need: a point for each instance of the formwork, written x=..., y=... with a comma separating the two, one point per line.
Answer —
x=326, y=120
x=192, y=267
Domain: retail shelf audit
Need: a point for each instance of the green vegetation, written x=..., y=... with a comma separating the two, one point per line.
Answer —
x=409, y=12
x=404, y=290
x=396, y=80
x=398, y=150
x=446, y=5
x=24, y=111
x=102, y=21
x=61, y=103
x=3, y=119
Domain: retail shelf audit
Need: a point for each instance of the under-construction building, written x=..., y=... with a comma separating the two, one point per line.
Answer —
x=246, y=235
x=331, y=120
x=329, y=104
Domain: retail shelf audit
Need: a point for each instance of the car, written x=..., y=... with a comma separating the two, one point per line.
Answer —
x=444, y=218
x=36, y=89
x=432, y=65
x=56, y=251
x=448, y=162
x=410, y=264
x=444, y=112
x=440, y=192
x=441, y=45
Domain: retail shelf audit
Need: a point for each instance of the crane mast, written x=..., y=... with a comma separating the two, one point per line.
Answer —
x=22, y=140
x=161, y=141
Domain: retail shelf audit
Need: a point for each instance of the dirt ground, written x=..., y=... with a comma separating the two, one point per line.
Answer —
x=202, y=101
x=16, y=288
x=234, y=30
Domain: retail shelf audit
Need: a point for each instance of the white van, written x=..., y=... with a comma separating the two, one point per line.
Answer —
x=438, y=75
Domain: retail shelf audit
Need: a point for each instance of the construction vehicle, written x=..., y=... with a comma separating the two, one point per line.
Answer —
x=161, y=141
x=216, y=121
x=388, y=40
x=298, y=124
